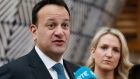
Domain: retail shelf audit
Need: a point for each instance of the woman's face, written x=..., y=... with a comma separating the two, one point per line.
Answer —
x=107, y=52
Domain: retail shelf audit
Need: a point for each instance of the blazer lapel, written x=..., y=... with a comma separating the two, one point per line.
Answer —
x=68, y=69
x=38, y=68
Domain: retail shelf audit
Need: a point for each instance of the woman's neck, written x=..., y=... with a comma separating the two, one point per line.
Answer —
x=102, y=74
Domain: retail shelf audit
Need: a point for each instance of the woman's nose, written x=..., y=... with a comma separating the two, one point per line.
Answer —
x=109, y=53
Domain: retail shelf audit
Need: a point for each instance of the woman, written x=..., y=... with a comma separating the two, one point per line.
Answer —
x=109, y=57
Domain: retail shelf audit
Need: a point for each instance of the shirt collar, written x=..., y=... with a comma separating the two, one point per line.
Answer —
x=49, y=63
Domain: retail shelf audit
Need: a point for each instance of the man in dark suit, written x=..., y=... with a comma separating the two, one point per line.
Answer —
x=50, y=30
x=134, y=72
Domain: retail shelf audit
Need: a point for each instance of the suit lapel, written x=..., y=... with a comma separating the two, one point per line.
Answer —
x=68, y=69
x=38, y=68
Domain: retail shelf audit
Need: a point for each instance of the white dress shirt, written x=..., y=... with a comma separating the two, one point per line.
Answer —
x=49, y=63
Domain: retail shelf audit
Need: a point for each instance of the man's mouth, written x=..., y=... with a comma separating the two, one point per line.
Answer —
x=58, y=42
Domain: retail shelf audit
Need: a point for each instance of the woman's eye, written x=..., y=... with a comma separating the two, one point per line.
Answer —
x=104, y=47
x=116, y=50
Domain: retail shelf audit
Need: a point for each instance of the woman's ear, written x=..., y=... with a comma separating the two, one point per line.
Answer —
x=92, y=50
x=33, y=30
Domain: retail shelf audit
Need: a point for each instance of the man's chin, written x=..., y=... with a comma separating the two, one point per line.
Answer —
x=59, y=51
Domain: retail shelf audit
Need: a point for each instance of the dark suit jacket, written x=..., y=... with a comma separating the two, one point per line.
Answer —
x=30, y=66
x=134, y=72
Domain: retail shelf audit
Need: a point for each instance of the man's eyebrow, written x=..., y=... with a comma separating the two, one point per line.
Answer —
x=51, y=19
x=67, y=20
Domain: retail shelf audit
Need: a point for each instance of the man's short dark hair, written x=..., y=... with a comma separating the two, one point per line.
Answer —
x=42, y=3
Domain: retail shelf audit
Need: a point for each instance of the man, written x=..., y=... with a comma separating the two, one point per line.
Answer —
x=50, y=30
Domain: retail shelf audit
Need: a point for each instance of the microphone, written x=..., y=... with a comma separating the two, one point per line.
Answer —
x=84, y=73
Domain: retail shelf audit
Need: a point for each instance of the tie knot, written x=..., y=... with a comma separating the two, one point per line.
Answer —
x=58, y=67
x=60, y=71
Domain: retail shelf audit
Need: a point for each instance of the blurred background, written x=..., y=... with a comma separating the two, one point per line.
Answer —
x=87, y=17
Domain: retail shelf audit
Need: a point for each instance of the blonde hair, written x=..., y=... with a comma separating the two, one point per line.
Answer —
x=124, y=64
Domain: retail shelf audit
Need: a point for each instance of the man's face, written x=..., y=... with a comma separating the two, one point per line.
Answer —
x=53, y=30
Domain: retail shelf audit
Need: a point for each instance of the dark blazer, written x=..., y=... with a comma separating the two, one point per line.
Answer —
x=134, y=72
x=31, y=66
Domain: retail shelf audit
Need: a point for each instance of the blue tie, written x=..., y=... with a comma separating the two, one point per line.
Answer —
x=60, y=71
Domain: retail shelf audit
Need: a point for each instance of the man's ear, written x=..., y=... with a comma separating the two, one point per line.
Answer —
x=92, y=51
x=33, y=30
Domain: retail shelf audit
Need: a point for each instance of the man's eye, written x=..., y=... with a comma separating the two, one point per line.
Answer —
x=51, y=26
x=65, y=26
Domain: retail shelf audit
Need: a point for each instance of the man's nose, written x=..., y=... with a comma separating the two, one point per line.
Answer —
x=59, y=31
